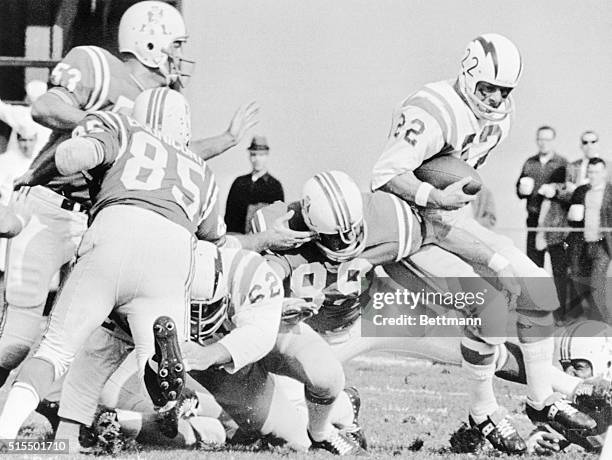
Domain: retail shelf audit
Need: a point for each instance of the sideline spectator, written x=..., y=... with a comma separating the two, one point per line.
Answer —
x=542, y=176
x=19, y=118
x=252, y=191
x=590, y=249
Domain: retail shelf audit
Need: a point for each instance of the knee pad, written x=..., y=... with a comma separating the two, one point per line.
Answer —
x=21, y=327
x=477, y=352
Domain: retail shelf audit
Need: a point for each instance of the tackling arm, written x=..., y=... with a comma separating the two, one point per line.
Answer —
x=51, y=111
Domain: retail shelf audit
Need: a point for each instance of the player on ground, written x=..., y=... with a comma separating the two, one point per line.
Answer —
x=89, y=78
x=137, y=255
x=467, y=118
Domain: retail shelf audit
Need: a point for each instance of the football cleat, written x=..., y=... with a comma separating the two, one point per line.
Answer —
x=356, y=431
x=562, y=416
x=185, y=407
x=170, y=368
x=500, y=432
x=108, y=432
x=339, y=443
x=49, y=410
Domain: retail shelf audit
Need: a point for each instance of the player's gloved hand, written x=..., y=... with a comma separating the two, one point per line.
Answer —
x=296, y=310
x=453, y=196
x=244, y=119
x=280, y=237
x=545, y=441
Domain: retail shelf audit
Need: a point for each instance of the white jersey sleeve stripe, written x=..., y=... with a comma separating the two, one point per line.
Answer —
x=105, y=79
x=434, y=110
x=401, y=228
x=410, y=222
x=97, y=75
x=441, y=101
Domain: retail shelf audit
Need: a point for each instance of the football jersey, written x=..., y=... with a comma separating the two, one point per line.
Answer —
x=144, y=169
x=392, y=232
x=436, y=120
x=254, y=311
x=89, y=78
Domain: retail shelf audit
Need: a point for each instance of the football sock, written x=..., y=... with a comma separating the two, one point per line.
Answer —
x=20, y=403
x=562, y=382
x=319, y=425
x=342, y=411
x=478, y=363
x=538, y=358
x=68, y=430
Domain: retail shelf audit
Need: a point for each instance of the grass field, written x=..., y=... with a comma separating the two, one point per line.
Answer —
x=409, y=410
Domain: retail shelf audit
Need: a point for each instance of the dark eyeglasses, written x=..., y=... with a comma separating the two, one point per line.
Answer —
x=585, y=142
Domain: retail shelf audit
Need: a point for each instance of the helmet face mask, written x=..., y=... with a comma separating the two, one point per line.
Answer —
x=176, y=68
x=209, y=295
x=495, y=61
x=332, y=207
x=206, y=318
x=343, y=246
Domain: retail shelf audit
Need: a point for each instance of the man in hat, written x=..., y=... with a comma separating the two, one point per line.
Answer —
x=252, y=191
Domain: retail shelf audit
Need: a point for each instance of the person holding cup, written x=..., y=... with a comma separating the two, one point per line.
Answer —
x=590, y=248
x=537, y=183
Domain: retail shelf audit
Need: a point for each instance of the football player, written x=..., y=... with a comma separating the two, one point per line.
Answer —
x=222, y=277
x=137, y=254
x=467, y=118
x=356, y=232
x=151, y=39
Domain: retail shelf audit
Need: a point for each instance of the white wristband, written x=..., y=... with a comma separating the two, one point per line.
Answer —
x=422, y=194
x=498, y=262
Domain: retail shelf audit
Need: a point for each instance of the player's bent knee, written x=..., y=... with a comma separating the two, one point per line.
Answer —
x=324, y=385
x=533, y=326
x=20, y=329
x=60, y=359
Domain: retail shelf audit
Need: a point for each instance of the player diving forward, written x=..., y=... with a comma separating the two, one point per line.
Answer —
x=467, y=118
x=137, y=254
x=89, y=78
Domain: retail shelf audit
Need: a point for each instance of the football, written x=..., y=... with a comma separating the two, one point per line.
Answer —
x=445, y=170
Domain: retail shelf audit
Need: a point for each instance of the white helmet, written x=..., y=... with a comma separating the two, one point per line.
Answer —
x=332, y=206
x=165, y=111
x=209, y=296
x=494, y=59
x=149, y=31
x=590, y=341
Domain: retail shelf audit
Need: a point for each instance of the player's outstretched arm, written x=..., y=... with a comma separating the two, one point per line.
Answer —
x=244, y=119
x=50, y=111
x=277, y=238
x=410, y=189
